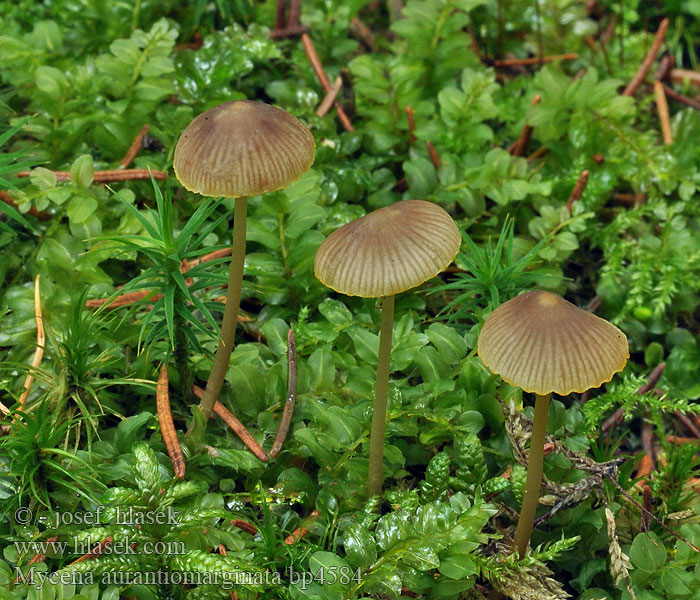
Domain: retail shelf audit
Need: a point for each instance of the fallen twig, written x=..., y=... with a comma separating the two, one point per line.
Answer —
x=411, y=125
x=237, y=427
x=289, y=31
x=167, y=427
x=681, y=75
x=518, y=147
x=133, y=150
x=40, y=341
x=323, y=78
x=330, y=97
x=434, y=156
x=635, y=199
x=674, y=95
x=286, y=419
x=518, y=62
x=300, y=532
x=364, y=33
x=7, y=199
x=652, y=379
x=648, y=60
x=662, y=109
x=578, y=190
x=279, y=15
x=244, y=526
x=689, y=424
x=98, y=550
x=108, y=176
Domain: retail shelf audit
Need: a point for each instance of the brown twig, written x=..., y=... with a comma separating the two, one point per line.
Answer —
x=674, y=95
x=238, y=428
x=652, y=379
x=522, y=62
x=679, y=441
x=300, y=532
x=648, y=60
x=7, y=199
x=133, y=150
x=323, y=78
x=539, y=153
x=364, y=33
x=645, y=518
x=635, y=199
x=434, y=156
x=98, y=550
x=286, y=419
x=411, y=125
x=666, y=63
x=294, y=13
x=609, y=30
x=277, y=34
x=518, y=147
x=244, y=526
x=688, y=423
x=108, y=176
x=662, y=109
x=681, y=75
x=167, y=427
x=330, y=97
x=280, y=14
x=40, y=341
x=578, y=190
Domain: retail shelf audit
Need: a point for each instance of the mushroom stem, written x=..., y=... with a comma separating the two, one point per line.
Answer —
x=233, y=301
x=534, y=475
x=381, y=392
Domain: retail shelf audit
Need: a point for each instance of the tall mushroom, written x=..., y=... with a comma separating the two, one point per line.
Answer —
x=541, y=343
x=386, y=252
x=239, y=149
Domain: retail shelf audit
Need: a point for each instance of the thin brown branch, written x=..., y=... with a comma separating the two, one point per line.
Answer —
x=40, y=341
x=674, y=95
x=133, y=150
x=245, y=526
x=7, y=199
x=300, y=532
x=237, y=427
x=411, y=125
x=689, y=424
x=647, y=503
x=680, y=75
x=364, y=33
x=539, y=153
x=108, y=176
x=578, y=190
x=98, y=550
x=609, y=30
x=277, y=34
x=635, y=199
x=286, y=419
x=434, y=156
x=294, y=13
x=323, y=78
x=645, y=67
x=523, y=62
x=662, y=109
x=280, y=14
x=666, y=63
x=652, y=379
x=330, y=97
x=518, y=147
x=167, y=427
x=124, y=299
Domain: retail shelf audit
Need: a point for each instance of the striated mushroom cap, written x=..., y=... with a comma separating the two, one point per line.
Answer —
x=541, y=343
x=389, y=250
x=242, y=148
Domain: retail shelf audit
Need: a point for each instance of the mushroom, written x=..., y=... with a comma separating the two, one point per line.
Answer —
x=388, y=251
x=239, y=149
x=541, y=343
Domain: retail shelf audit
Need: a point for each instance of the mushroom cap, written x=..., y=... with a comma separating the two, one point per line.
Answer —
x=389, y=250
x=541, y=343
x=242, y=148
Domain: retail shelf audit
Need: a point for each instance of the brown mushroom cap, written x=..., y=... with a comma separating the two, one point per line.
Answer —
x=389, y=250
x=541, y=343
x=242, y=148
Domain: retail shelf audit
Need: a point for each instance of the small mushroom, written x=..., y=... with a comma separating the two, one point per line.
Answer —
x=238, y=149
x=386, y=252
x=541, y=343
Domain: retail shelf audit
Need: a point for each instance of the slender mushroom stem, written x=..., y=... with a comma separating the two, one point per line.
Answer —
x=534, y=475
x=233, y=301
x=381, y=392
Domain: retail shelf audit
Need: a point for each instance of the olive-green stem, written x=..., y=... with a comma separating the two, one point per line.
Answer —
x=233, y=301
x=381, y=393
x=534, y=475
